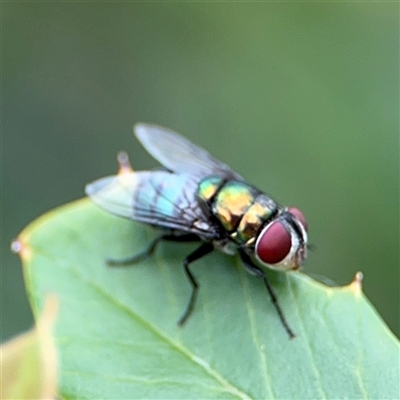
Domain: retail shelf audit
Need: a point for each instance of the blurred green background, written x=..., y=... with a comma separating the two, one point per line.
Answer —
x=301, y=99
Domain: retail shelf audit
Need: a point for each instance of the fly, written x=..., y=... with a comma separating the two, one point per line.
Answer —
x=197, y=198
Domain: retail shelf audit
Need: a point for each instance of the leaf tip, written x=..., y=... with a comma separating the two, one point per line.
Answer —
x=124, y=163
x=21, y=248
x=356, y=285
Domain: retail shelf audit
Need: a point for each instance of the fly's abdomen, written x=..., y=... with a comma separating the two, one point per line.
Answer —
x=240, y=208
x=209, y=187
x=161, y=193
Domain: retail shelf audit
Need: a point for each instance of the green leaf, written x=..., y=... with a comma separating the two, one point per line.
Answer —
x=117, y=334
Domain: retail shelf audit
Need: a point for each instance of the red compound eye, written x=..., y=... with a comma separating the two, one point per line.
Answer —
x=274, y=243
x=299, y=215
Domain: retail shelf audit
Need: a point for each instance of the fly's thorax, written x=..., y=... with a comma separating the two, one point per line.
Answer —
x=230, y=203
x=251, y=220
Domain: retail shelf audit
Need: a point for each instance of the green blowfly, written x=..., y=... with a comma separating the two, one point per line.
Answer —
x=196, y=198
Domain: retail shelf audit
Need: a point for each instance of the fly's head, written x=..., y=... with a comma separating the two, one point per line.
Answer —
x=282, y=243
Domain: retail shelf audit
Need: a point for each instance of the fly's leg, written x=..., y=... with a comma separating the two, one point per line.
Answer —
x=253, y=269
x=136, y=257
x=151, y=248
x=200, y=252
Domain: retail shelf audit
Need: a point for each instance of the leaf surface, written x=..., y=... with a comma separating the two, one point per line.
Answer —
x=117, y=331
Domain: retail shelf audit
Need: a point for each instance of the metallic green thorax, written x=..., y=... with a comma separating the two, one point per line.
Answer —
x=241, y=208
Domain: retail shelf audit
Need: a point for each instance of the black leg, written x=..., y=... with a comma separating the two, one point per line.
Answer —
x=200, y=252
x=253, y=269
x=151, y=248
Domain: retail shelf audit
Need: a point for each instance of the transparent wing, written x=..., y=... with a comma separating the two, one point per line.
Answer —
x=159, y=198
x=180, y=155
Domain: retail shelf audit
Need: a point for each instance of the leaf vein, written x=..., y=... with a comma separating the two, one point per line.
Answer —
x=229, y=387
